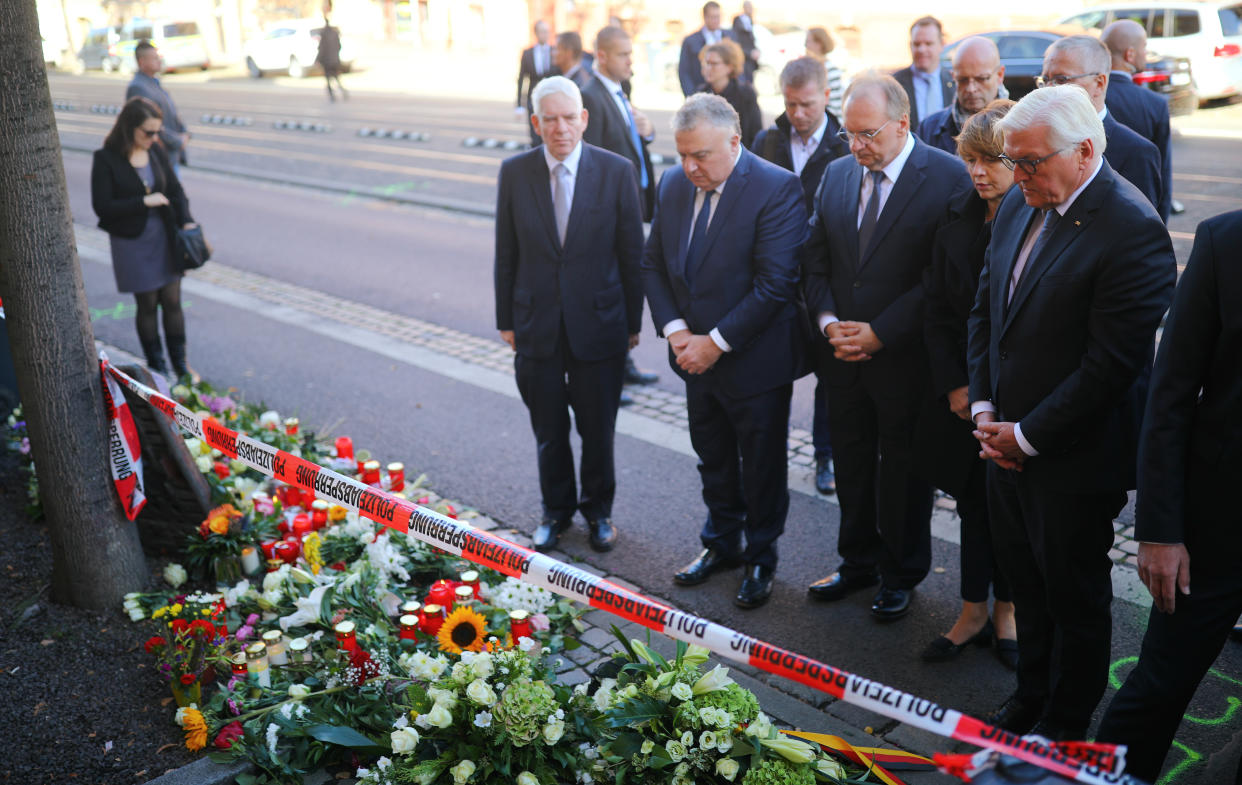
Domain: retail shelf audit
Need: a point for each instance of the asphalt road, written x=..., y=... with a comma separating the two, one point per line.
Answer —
x=475, y=443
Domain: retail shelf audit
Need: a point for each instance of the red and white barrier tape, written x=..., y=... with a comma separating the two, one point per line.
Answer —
x=541, y=570
x=124, y=450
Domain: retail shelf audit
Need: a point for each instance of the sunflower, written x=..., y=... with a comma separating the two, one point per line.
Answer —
x=463, y=629
x=195, y=729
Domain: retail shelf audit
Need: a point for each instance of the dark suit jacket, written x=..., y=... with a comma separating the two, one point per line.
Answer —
x=1064, y=357
x=591, y=285
x=148, y=87
x=885, y=288
x=905, y=77
x=1191, y=448
x=772, y=145
x=1134, y=158
x=528, y=74
x=940, y=130
x=609, y=129
x=1147, y=114
x=117, y=193
x=745, y=102
x=689, y=72
x=745, y=39
x=746, y=281
x=580, y=74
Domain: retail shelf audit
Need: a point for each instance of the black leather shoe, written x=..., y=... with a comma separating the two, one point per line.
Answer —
x=838, y=585
x=709, y=561
x=1015, y=715
x=891, y=604
x=825, y=480
x=1007, y=652
x=603, y=534
x=942, y=649
x=626, y=400
x=1055, y=731
x=633, y=375
x=756, y=587
x=545, y=537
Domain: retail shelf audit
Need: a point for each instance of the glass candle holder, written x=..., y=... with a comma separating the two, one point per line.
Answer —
x=396, y=476
x=299, y=651
x=344, y=447
x=432, y=619
x=519, y=625
x=346, y=638
x=237, y=664
x=275, y=642
x=408, y=636
x=471, y=578
x=291, y=426
x=464, y=597
x=257, y=665
x=250, y=561
x=302, y=525
x=319, y=514
x=371, y=472
x=441, y=593
x=411, y=606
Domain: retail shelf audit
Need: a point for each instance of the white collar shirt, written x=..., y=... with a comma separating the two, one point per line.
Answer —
x=799, y=151
x=891, y=173
x=570, y=163
x=712, y=36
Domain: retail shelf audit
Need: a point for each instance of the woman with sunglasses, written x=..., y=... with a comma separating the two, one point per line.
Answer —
x=944, y=437
x=140, y=204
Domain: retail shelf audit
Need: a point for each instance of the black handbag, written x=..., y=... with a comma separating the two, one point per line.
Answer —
x=193, y=250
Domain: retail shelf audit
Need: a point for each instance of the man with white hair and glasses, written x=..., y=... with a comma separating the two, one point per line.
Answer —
x=1078, y=274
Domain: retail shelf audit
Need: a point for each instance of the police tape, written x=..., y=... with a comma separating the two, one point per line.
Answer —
x=124, y=450
x=515, y=561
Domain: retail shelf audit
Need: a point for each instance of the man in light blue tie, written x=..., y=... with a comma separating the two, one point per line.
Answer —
x=928, y=86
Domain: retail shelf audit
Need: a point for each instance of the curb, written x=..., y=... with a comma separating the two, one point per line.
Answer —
x=460, y=206
x=204, y=771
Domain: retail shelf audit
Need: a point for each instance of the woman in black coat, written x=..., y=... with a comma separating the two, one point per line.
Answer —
x=140, y=204
x=721, y=64
x=944, y=440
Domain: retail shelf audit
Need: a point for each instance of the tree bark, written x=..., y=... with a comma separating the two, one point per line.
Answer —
x=96, y=554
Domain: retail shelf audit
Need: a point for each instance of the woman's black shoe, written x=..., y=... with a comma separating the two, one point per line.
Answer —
x=1007, y=652
x=942, y=649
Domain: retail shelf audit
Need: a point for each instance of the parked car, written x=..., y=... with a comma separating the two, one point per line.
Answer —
x=1022, y=54
x=99, y=50
x=291, y=47
x=180, y=44
x=1209, y=34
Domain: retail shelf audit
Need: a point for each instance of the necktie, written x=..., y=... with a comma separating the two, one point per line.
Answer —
x=634, y=140
x=698, y=237
x=1050, y=223
x=561, y=200
x=870, y=216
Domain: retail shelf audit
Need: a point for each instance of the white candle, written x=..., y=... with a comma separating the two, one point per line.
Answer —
x=250, y=560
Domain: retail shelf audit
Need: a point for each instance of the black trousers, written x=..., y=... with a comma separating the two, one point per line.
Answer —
x=978, y=560
x=742, y=445
x=549, y=388
x=1177, y=651
x=1052, y=546
x=885, y=505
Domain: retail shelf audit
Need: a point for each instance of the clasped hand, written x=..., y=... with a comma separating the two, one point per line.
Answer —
x=853, y=341
x=696, y=354
x=997, y=442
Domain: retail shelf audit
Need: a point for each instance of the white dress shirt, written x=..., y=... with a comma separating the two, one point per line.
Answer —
x=699, y=195
x=1018, y=266
x=891, y=172
x=543, y=58
x=616, y=92
x=570, y=163
x=712, y=36
x=799, y=151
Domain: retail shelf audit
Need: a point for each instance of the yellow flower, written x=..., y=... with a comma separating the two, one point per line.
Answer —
x=463, y=629
x=176, y=609
x=310, y=551
x=158, y=612
x=337, y=513
x=195, y=729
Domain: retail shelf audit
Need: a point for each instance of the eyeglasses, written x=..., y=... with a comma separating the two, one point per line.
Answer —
x=866, y=136
x=966, y=81
x=150, y=134
x=1026, y=164
x=1059, y=79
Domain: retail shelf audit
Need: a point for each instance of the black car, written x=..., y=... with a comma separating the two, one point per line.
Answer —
x=1022, y=54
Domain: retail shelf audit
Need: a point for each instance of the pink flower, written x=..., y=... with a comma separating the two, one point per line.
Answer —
x=244, y=632
x=25, y=446
x=252, y=619
x=540, y=622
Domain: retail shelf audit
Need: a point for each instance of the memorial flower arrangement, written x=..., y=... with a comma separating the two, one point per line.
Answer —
x=190, y=645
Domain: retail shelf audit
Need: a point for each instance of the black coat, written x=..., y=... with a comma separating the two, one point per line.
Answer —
x=117, y=193
x=1134, y=158
x=329, y=54
x=1065, y=356
x=1191, y=448
x=745, y=101
x=772, y=145
x=1147, y=114
x=940, y=130
x=592, y=284
x=905, y=78
x=609, y=129
x=530, y=75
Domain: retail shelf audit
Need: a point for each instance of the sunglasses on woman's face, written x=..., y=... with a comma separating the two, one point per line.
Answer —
x=150, y=134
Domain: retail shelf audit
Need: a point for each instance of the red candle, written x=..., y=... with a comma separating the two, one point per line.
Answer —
x=432, y=618
x=519, y=625
x=319, y=514
x=471, y=578
x=371, y=472
x=409, y=627
x=238, y=664
x=442, y=593
x=291, y=426
x=221, y=469
x=269, y=549
x=396, y=476
x=344, y=447
x=288, y=551
x=302, y=525
x=289, y=496
x=346, y=639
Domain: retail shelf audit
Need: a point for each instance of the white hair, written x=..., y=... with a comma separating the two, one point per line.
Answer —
x=705, y=107
x=1089, y=51
x=1066, y=112
x=555, y=84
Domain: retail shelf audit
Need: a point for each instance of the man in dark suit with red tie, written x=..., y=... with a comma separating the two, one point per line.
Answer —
x=1078, y=274
x=875, y=218
x=537, y=62
x=569, y=302
x=1190, y=456
x=720, y=273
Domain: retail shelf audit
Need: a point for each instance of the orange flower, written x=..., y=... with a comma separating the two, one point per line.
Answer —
x=218, y=520
x=195, y=729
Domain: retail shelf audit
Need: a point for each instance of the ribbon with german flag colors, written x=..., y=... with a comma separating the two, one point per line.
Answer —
x=877, y=760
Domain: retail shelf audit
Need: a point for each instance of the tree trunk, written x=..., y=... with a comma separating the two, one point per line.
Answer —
x=96, y=554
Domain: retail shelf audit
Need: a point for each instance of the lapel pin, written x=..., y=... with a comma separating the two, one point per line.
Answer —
x=1077, y=223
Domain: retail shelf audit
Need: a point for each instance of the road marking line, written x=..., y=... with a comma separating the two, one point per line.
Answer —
x=278, y=301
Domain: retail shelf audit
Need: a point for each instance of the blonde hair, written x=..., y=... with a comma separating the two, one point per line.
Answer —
x=979, y=134
x=729, y=52
x=822, y=39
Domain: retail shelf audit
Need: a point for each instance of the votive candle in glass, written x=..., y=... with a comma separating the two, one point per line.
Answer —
x=519, y=625
x=346, y=638
x=275, y=642
x=432, y=619
x=411, y=606
x=257, y=664
x=371, y=472
x=302, y=525
x=319, y=514
x=464, y=596
x=471, y=578
x=299, y=651
x=250, y=560
x=238, y=665
x=291, y=426
x=396, y=476
x=344, y=447
x=409, y=631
